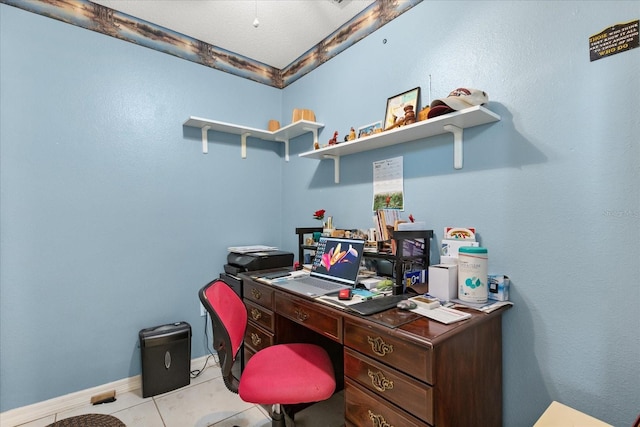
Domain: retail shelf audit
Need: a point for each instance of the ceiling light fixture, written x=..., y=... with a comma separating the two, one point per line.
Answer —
x=256, y=23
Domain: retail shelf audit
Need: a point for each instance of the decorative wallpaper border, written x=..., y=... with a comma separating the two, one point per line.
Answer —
x=95, y=17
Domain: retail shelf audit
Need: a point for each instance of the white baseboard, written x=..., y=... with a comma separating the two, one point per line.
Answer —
x=78, y=399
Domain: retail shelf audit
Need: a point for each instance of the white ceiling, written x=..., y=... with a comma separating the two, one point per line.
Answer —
x=287, y=28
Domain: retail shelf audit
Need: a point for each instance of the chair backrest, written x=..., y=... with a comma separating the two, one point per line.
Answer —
x=229, y=322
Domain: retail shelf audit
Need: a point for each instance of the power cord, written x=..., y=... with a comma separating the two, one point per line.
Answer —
x=197, y=372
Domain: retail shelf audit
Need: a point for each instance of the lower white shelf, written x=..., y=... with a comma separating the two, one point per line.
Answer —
x=283, y=134
x=452, y=122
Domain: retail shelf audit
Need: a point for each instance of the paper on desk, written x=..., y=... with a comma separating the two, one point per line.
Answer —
x=336, y=302
x=442, y=314
x=485, y=307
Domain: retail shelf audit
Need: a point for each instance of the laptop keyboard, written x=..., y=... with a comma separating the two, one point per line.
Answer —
x=320, y=283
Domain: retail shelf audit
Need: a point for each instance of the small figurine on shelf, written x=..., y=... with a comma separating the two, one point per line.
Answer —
x=409, y=115
x=424, y=113
x=352, y=134
x=399, y=121
x=334, y=140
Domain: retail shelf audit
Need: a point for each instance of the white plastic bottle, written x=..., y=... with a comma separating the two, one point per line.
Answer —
x=472, y=274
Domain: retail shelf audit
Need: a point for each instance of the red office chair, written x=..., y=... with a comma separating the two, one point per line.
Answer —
x=283, y=374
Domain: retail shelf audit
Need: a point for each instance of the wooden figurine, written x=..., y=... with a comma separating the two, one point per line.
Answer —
x=409, y=115
x=334, y=140
x=352, y=134
x=399, y=122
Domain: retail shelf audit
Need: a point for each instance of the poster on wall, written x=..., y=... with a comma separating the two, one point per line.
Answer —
x=615, y=39
x=388, y=183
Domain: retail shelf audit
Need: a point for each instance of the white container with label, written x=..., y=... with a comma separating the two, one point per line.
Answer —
x=472, y=274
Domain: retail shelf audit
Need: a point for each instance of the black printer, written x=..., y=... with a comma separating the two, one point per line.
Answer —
x=240, y=262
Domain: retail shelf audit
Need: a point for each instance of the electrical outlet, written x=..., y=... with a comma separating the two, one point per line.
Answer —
x=203, y=312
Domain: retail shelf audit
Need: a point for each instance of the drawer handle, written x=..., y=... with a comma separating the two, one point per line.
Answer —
x=255, y=314
x=379, y=382
x=300, y=314
x=256, y=293
x=255, y=339
x=378, y=420
x=379, y=347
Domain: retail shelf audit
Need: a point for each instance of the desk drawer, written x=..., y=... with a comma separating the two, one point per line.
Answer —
x=260, y=315
x=381, y=345
x=257, y=338
x=258, y=293
x=408, y=393
x=365, y=409
x=312, y=317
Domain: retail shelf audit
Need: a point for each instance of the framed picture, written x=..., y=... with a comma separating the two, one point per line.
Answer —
x=396, y=104
x=370, y=129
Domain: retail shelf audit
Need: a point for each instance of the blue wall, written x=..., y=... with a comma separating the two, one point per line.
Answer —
x=111, y=218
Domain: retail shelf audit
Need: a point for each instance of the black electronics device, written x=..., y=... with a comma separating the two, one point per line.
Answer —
x=377, y=305
x=264, y=260
x=166, y=358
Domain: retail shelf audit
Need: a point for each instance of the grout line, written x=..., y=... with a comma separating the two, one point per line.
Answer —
x=159, y=413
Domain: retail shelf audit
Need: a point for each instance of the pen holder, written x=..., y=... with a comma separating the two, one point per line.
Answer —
x=397, y=289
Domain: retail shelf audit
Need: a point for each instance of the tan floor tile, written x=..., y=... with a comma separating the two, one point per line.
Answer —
x=250, y=418
x=143, y=415
x=200, y=405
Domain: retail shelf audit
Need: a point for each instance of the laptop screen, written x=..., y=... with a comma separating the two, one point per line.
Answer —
x=338, y=259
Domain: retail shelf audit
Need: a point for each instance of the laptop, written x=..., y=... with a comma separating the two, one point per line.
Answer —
x=334, y=267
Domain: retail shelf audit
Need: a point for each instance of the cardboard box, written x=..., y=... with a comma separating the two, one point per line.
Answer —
x=498, y=287
x=449, y=249
x=414, y=277
x=445, y=259
x=443, y=281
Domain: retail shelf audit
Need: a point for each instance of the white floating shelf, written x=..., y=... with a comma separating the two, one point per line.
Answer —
x=452, y=122
x=283, y=134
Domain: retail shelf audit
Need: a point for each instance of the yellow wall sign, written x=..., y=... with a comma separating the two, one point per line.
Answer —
x=615, y=39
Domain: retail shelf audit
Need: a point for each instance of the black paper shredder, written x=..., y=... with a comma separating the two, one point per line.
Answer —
x=166, y=358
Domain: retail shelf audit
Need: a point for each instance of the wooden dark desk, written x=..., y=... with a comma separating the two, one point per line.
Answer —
x=417, y=372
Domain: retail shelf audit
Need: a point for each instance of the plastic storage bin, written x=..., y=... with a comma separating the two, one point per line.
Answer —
x=166, y=358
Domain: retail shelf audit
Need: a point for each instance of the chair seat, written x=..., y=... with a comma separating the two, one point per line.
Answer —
x=288, y=374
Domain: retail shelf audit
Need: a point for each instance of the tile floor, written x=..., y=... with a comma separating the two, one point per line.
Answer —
x=205, y=402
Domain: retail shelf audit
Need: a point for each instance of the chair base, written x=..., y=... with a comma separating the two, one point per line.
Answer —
x=280, y=418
